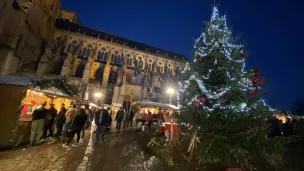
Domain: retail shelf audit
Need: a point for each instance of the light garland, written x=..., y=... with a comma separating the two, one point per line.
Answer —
x=233, y=54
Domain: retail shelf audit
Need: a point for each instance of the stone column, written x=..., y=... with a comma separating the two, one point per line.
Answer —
x=66, y=68
x=145, y=94
x=11, y=26
x=44, y=63
x=86, y=72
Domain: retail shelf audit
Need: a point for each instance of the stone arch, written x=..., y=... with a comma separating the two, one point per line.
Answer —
x=72, y=47
x=129, y=60
x=129, y=78
x=113, y=75
x=99, y=74
x=80, y=68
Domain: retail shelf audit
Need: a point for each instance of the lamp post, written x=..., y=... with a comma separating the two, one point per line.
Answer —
x=170, y=91
x=98, y=95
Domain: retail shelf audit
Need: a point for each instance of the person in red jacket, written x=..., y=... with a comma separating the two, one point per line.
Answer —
x=160, y=118
x=149, y=119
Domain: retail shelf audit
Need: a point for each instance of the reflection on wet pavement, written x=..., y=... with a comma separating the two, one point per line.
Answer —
x=114, y=154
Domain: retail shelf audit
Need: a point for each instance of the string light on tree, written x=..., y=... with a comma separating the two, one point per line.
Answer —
x=215, y=98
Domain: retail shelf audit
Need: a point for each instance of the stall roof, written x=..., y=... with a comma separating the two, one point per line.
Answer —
x=57, y=95
x=173, y=107
x=154, y=104
x=15, y=80
x=116, y=104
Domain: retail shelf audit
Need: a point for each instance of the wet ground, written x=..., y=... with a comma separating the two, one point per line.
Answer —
x=117, y=153
x=124, y=152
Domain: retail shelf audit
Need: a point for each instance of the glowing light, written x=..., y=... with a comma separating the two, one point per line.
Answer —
x=170, y=91
x=97, y=95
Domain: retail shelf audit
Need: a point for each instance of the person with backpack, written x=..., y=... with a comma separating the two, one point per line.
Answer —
x=49, y=121
x=60, y=119
x=119, y=118
x=77, y=125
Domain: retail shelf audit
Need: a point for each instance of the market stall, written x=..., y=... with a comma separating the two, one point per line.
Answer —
x=55, y=92
x=153, y=107
x=115, y=107
x=20, y=95
x=170, y=126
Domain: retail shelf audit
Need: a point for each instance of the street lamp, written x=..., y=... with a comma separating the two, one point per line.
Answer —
x=97, y=95
x=170, y=91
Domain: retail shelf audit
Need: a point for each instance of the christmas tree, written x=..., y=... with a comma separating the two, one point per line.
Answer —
x=222, y=103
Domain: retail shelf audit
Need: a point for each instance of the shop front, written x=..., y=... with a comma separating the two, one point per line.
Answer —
x=31, y=101
x=20, y=97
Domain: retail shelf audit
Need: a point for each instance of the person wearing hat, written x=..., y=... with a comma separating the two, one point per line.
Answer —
x=49, y=120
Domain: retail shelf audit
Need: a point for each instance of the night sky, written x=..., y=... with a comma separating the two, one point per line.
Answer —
x=272, y=31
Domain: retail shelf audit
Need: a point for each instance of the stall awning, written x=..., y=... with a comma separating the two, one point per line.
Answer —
x=154, y=105
x=116, y=104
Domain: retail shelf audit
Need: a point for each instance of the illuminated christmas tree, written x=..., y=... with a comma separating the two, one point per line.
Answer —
x=223, y=104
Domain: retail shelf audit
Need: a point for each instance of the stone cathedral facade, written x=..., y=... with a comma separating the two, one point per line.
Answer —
x=39, y=39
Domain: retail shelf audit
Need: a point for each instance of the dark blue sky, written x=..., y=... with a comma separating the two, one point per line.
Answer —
x=273, y=32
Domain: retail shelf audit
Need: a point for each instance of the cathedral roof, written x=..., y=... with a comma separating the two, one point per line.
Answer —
x=73, y=27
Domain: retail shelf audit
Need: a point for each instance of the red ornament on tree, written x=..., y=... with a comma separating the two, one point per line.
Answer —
x=195, y=104
x=257, y=80
x=203, y=99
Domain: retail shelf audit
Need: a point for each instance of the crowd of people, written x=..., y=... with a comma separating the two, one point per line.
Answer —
x=67, y=122
x=76, y=120
x=292, y=127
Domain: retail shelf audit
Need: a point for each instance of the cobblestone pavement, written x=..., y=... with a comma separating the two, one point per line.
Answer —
x=107, y=156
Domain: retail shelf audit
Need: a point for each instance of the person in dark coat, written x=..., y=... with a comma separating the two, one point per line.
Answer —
x=78, y=123
x=37, y=124
x=60, y=120
x=49, y=121
x=101, y=121
x=276, y=127
x=119, y=118
x=287, y=128
x=131, y=115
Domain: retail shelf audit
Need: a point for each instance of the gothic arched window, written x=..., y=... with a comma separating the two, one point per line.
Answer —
x=80, y=69
x=157, y=83
x=129, y=61
x=105, y=58
x=128, y=78
x=113, y=58
x=88, y=52
x=69, y=48
x=141, y=64
x=84, y=51
x=117, y=59
x=99, y=57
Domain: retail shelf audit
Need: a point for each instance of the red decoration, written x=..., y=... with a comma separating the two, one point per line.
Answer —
x=196, y=106
x=33, y=102
x=169, y=126
x=203, y=99
x=25, y=109
x=257, y=80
